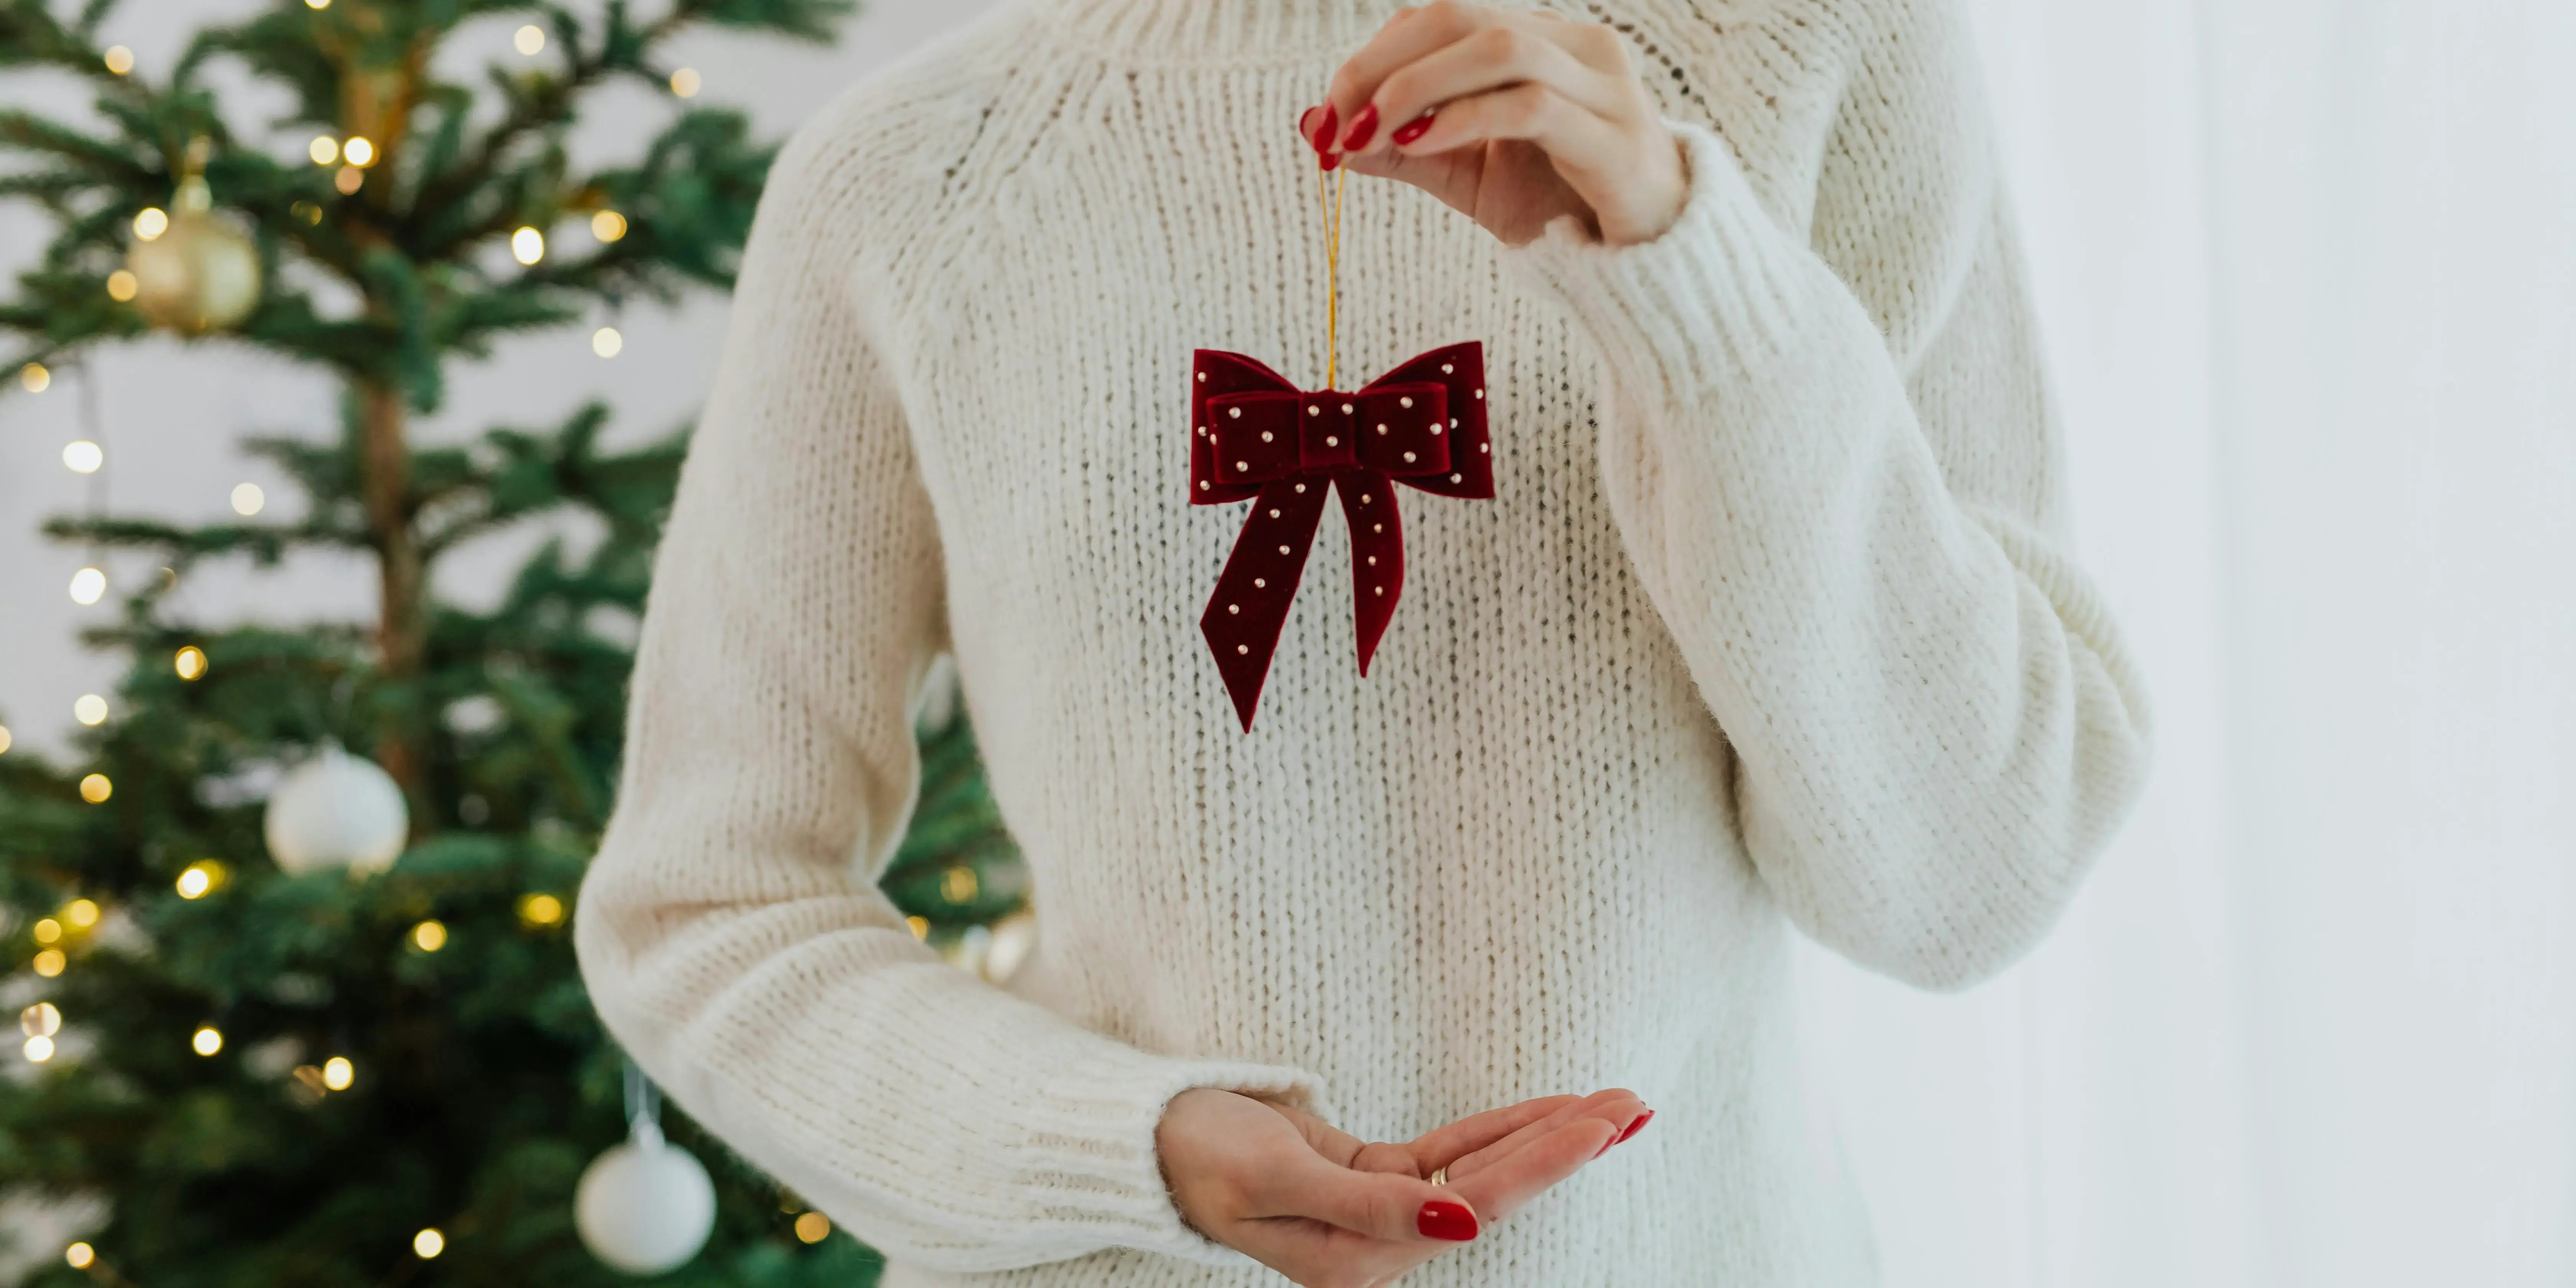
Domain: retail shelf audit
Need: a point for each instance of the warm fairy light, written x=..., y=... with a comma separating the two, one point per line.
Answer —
x=5, y=740
x=49, y=963
x=606, y=342
x=199, y=877
x=428, y=1243
x=338, y=1073
x=920, y=926
x=190, y=662
x=541, y=909
x=151, y=222
x=684, y=82
x=247, y=499
x=40, y=1050
x=79, y=1255
x=317, y=4
x=324, y=149
x=35, y=379
x=46, y=930
x=90, y=709
x=812, y=1227
x=608, y=225
x=430, y=936
x=529, y=40
x=82, y=913
x=96, y=789
x=40, y=1021
x=119, y=60
x=87, y=586
x=121, y=286
x=349, y=180
x=82, y=456
x=958, y=884
x=306, y=211
x=528, y=245
x=207, y=1040
x=359, y=152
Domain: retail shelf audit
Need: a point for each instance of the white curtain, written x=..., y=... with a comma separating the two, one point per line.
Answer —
x=2308, y=270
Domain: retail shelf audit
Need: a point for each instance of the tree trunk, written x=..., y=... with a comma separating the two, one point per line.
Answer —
x=402, y=632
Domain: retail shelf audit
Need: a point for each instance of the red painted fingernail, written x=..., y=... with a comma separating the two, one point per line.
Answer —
x=1442, y=1219
x=1323, y=136
x=1634, y=1127
x=1412, y=130
x=1363, y=128
x=1332, y=160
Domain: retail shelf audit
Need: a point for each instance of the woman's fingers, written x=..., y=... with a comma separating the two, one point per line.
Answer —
x=1441, y=1146
x=1576, y=139
x=1495, y=58
x=1524, y=1174
x=1382, y=1205
x=1616, y=1108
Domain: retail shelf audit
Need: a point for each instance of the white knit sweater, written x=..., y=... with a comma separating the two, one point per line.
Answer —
x=1771, y=622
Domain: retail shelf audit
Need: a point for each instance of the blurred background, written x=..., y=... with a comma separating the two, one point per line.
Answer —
x=2308, y=274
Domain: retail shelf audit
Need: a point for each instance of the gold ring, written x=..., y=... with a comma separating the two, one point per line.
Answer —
x=1440, y=1176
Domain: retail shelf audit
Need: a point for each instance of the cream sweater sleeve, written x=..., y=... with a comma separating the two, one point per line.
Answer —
x=730, y=929
x=1845, y=510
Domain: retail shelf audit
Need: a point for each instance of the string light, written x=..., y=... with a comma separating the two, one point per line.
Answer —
x=529, y=40
x=190, y=662
x=49, y=963
x=82, y=456
x=40, y=1020
x=527, y=245
x=96, y=789
x=338, y=1073
x=35, y=379
x=349, y=180
x=684, y=82
x=247, y=499
x=200, y=877
x=429, y=936
x=359, y=152
x=87, y=586
x=813, y=1227
x=920, y=927
x=39, y=1050
x=122, y=285
x=324, y=149
x=317, y=5
x=608, y=225
x=428, y=1243
x=207, y=1040
x=5, y=740
x=119, y=60
x=82, y=913
x=46, y=930
x=606, y=342
x=306, y=211
x=151, y=222
x=958, y=884
x=79, y=1255
x=541, y=909
x=90, y=709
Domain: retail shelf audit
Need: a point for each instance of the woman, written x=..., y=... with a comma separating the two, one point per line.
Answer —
x=1770, y=621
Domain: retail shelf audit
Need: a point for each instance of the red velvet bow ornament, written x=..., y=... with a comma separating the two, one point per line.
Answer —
x=1254, y=435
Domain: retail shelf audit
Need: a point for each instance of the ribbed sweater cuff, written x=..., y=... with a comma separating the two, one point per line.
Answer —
x=1725, y=297
x=1090, y=1158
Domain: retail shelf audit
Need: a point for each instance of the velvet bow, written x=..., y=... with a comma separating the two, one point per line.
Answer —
x=1255, y=436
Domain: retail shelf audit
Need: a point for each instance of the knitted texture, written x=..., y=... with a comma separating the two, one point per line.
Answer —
x=1771, y=622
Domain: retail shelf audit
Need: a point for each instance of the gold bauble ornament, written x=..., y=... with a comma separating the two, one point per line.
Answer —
x=201, y=273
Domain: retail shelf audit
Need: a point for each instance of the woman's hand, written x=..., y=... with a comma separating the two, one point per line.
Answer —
x=1513, y=116
x=1319, y=1206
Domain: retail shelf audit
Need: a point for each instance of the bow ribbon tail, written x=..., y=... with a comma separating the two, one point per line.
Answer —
x=1377, y=554
x=1250, y=607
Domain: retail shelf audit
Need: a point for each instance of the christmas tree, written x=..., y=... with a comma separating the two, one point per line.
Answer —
x=286, y=937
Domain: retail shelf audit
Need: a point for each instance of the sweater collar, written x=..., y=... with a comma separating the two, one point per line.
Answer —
x=1186, y=30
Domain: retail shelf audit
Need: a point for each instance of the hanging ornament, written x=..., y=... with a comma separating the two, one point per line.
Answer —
x=196, y=271
x=645, y=1206
x=336, y=811
x=1255, y=436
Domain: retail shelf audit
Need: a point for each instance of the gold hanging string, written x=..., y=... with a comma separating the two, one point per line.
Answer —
x=1332, y=210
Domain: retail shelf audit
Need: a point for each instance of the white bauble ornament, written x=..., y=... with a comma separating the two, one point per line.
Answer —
x=336, y=811
x=645, y=1206
x=199, y=274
